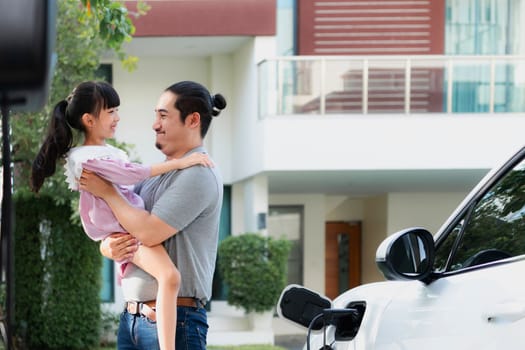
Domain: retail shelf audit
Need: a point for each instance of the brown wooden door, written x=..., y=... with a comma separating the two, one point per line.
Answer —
x=342, y=257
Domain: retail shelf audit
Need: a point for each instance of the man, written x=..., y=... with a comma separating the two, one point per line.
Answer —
x=182, y=210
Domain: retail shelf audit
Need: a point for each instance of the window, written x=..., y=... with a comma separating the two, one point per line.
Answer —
x=287, y=222
x=286, y=10
x=219, y=291
x=493, y=229
x=107, y=292
x=484, y=27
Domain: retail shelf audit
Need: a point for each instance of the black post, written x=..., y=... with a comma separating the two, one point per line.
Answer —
x=6, y=238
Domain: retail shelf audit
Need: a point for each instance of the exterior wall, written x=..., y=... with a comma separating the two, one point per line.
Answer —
x=431, y=141
x=221, y=69
x=237, y=209
x=253, y=194
x=342, y=208
x=190, y=18
x=371, y=28
x=247, y=141
x=375, y=28
x=428, y=210
x=374, y=232
x=254, y=146
x=314, y=236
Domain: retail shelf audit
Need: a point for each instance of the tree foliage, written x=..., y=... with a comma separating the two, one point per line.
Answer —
x=57, y=268
x=85, y=31
x=110, y=22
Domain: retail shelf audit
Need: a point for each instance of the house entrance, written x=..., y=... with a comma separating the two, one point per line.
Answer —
x=342, y=257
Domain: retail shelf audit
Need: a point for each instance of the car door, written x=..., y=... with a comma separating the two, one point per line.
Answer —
x=475, y=298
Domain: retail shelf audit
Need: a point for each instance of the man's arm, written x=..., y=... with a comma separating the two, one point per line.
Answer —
x=146, y=227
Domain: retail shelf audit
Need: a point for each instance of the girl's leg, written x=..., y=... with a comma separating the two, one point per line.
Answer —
x=156, y=261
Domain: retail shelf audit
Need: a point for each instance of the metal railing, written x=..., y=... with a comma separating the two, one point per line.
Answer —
x=391, y=84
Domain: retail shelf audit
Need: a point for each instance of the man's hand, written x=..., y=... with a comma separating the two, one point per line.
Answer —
x=119, y=247
x=94, y=184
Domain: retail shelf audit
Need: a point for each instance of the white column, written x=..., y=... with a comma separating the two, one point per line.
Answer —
x=256, y=204
x=250, y=205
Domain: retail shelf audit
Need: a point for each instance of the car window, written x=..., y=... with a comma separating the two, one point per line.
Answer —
x=492, y=230
x=445, y=248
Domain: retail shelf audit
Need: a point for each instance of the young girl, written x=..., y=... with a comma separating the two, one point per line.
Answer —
x=92, y=109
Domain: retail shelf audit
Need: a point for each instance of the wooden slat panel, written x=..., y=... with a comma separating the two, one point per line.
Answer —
x=387, y=27
x=371, y=27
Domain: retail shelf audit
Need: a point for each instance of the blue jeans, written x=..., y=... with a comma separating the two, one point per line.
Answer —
x=139, y=333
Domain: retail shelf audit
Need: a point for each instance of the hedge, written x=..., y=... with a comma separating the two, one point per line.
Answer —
x=254, y=268
x=57, y=278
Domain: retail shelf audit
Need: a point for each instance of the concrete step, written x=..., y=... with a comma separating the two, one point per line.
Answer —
x=220, y=323
x=232, y=326
x=224, y=338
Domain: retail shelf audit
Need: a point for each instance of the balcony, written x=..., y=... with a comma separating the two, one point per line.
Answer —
x=353, y=85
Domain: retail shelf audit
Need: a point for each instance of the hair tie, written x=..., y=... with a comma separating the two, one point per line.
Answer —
x=70, y=96
x=215, y=109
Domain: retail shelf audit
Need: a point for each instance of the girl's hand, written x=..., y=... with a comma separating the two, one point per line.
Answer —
x=119, y=246
x=97, y=186
x=195, y=159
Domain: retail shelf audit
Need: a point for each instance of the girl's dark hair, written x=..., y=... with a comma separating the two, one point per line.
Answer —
x=193, y=97
x=88, y=97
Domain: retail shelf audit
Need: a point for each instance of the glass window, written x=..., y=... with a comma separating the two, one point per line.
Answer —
x=286, y=10
x=107, y=292
x=484, y=27
x=481, y=27
x=219, y=290
x=493, y=229
x=287, y=221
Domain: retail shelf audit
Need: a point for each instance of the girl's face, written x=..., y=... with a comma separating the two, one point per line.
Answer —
x=101, y=128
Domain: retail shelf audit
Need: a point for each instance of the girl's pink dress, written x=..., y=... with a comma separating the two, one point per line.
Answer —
x=112, y=164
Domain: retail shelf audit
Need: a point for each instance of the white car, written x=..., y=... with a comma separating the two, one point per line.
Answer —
x=463, y=288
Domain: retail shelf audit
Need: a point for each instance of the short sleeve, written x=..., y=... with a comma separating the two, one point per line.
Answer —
x=188, y=197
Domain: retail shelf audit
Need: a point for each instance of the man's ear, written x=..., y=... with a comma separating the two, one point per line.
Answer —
x=87, y=120
x=193, y=120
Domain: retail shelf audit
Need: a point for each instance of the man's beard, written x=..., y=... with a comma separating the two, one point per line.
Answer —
x=158, y=145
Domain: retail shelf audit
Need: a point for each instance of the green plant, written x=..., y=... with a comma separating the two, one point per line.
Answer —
x=57, y=281
x=108, y=327
x=57, y=268
x=254, y=269
x=110, y=22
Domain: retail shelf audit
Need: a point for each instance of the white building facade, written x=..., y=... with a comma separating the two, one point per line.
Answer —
x=334, y=149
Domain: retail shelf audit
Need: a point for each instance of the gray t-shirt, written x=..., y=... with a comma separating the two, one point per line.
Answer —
x=189, y=200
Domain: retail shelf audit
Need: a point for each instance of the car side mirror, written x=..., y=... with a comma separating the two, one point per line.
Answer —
x=301, y=305
x=406, y=255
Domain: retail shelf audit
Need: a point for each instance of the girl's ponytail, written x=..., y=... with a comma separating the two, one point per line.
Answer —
x=58, y=142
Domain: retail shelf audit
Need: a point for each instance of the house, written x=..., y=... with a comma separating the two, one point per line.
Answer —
x=346, y=120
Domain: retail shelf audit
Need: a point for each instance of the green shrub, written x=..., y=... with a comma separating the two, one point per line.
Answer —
x=254, y=268
x=57, y=277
